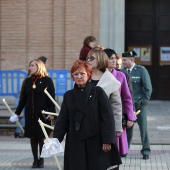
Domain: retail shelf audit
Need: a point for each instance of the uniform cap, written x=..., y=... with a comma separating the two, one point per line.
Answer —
x=129, y=54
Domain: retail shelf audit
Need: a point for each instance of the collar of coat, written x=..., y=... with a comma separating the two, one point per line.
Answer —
x=108, y=82
x=83, y=94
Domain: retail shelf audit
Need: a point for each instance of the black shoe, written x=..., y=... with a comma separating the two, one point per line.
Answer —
x=145, y=157
x=21, y=135
x=16, y=135
x=35, y=164
x=41, y=163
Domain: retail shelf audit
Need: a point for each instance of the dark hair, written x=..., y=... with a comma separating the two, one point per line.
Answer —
x=43, y=59
x=89, y=39
x=109, y=52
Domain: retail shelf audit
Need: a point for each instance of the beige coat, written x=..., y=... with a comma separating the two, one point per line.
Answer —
x=111, y=87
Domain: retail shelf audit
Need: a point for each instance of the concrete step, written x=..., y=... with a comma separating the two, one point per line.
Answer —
x=7, y=129
x=7, y=126
x=5, y=119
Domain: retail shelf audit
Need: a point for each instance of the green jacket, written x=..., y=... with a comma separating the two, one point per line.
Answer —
x=142, y=87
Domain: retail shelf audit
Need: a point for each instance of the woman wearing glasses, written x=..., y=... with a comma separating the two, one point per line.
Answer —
x=102, y=77
x=87, y=120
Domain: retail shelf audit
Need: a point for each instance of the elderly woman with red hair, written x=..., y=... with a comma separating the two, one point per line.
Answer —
x=87, y=120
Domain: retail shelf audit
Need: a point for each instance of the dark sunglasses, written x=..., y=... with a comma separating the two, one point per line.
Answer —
x=90, y=58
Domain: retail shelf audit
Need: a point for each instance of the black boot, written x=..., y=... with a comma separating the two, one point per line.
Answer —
x=41, y=160
x=41, y=163
x=35, y=164
x=17, y=135
x=21, y=135
x=34, y=147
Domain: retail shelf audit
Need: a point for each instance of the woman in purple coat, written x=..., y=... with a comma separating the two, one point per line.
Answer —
x=127, y=104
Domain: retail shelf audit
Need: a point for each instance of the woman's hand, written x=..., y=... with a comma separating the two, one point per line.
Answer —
x=50, y=117
x=106, y=147
x=117, y=134
x=129, y=123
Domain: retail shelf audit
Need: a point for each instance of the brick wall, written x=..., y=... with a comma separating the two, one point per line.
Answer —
x=53, y=28
x=13, y=34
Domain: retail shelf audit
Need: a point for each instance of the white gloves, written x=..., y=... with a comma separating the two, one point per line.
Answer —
x=13, y=118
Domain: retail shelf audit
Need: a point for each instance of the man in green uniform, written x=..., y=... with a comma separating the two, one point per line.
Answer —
x=142, y=90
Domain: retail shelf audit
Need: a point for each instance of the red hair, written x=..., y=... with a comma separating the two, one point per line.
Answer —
x=81, y=64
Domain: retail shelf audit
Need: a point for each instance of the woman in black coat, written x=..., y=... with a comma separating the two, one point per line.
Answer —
x=35, y=100
x=87, y=120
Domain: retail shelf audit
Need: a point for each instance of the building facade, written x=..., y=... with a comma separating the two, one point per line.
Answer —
x=55, y=29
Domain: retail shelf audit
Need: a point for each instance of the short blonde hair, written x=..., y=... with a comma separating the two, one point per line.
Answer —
x=101, y=56
x=118, y=56
x=41, y=69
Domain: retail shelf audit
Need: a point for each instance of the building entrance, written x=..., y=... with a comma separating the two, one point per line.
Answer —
x=147, y=31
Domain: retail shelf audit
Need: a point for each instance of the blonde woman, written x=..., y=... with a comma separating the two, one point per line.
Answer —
x=34, y=100
x=102, y=77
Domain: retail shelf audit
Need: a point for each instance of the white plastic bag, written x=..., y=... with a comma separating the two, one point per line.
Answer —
x=50, y=148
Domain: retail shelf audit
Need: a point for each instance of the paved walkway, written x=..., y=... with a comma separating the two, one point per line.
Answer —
x=158, y=124
x=15, y=154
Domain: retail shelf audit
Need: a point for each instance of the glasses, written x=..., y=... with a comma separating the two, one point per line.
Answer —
x=76, y=75
x=91, y=58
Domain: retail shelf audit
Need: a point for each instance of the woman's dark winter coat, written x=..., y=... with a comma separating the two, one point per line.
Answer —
x=87, y=120
x=84, y=51
x=34, y=101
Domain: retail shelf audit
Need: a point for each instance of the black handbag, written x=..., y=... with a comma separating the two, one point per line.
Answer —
x=124, y=119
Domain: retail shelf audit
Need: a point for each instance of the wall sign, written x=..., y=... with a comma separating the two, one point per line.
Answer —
x=144, y=54
x=165, y=54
